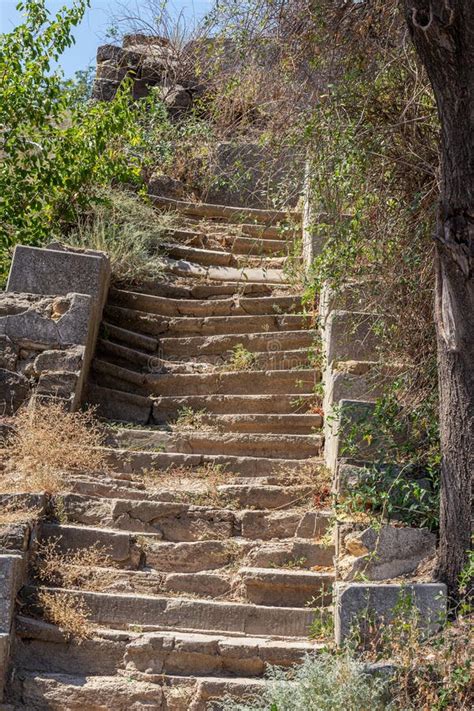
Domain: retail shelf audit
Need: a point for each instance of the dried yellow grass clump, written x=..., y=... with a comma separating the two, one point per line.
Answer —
x=48, y=443
x=85, y=568
x=67, y=611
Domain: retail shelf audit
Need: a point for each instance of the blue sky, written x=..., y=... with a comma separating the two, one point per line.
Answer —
x=99, y=18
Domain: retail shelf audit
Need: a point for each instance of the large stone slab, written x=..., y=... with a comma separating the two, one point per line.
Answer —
x=350, y=335
x=12, y=572
x=358, y=605
x=56, y=272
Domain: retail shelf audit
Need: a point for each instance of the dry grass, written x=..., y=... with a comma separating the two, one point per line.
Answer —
x=68, y=612
x=49, y=443
x=17, y=512
x=87, y=568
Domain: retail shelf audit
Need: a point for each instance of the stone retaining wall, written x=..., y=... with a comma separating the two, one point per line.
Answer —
x=49, y=320
x=353, y=380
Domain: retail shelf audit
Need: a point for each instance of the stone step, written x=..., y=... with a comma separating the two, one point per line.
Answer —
x=289, y=587
x=130, y=357
x=237, y=244
x=145, y=551
x=260, y=423
x=128, y=337
x=131, y=461
x=223, y=344
x=168, y=407
x=125, y=611
x=233, y=306
x=237, y=215
x=119, y=405
x=196, y=442
x=147, y=656
x=201, y=291
x=117, y=693
x=218, y=258
x=256, y=492
x=166, y=326
x=283, y=232
x=187, y=269
x=271, y=382
x=181, y=522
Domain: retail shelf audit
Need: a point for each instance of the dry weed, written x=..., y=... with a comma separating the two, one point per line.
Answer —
x=68, y=612
x=47, y=444
x=87, y=568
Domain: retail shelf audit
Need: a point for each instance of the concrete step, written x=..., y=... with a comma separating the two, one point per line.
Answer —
x=117, y=693
x=124, y=611
x=166, y=326
x=180, y=522
x=188, y=269
x=233, y=306
x=230, y=214
x=273, y=342
x=196, y=442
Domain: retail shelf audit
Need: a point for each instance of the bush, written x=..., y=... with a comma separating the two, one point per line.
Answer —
x=323, y=682
x=48, y=443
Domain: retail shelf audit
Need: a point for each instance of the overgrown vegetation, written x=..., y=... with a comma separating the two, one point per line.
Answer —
x=47, y=444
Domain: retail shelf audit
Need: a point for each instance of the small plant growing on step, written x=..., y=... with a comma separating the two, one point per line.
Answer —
x=241, y=359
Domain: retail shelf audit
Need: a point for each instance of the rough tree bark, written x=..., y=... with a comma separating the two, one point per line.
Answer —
x=443, y=35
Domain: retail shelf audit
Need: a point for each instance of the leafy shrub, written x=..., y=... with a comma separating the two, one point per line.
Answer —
x=55, y=149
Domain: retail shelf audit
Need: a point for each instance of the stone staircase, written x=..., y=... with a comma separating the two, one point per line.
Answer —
x=217, y=553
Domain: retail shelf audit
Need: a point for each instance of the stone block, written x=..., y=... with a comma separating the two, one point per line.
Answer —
x=350, y=335
x=385, y=553
x=56, y=272
x=69, y=360
x=358, y=605
x=14, y=391
x=344, y=433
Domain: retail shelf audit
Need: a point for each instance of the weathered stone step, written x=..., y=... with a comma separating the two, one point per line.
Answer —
x=119, y=405
x=283, y=424
x=275, y=586
x=196, y=442
x=201, y=290
x=237, y=244
x=225, y=212
x=130, y=461
x=148, y=551
x=187, y=269
x=166, y=407
x=179, y=613
x=181, y=522
x=257, y=493
x=179, y=326
x=223, y=344
x=285, y=382
x=233, y=306
x=284, y=232
x=130, y=337
x=238, y=383
x=217, y=258
x=117, y=693
x=124, y=355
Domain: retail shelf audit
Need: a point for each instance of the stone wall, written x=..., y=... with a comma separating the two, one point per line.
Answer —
x=49, y=320
x=353, y=379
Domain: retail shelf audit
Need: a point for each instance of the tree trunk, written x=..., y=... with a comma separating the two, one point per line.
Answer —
x=443, y=34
